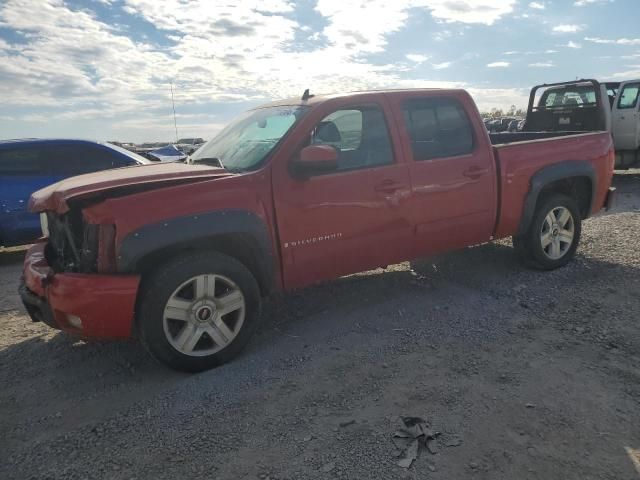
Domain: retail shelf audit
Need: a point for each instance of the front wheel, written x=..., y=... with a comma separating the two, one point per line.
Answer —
x=198, y=311
x=553, y=236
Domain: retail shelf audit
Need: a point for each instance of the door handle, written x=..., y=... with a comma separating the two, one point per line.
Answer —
x=475, y=172
x=387, y=186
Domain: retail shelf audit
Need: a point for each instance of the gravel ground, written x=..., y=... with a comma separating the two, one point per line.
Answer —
x=524, y=374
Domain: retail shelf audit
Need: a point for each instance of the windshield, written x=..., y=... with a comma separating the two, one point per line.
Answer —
x=247, y=141
x=129, y=154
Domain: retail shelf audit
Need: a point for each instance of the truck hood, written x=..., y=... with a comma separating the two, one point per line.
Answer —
x=119, y=181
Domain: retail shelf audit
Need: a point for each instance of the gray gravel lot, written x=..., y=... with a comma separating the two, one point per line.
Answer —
x=535, y=375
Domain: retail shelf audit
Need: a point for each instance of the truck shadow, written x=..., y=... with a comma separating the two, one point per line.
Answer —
x=12, y=256
x=628, y=192
x=70, y=372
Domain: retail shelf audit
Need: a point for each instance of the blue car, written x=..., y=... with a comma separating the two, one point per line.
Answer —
x=31, y=164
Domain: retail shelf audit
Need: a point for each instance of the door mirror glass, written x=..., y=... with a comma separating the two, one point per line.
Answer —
x=315, y=159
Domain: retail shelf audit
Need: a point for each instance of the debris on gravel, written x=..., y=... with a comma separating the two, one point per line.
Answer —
x=412, y=433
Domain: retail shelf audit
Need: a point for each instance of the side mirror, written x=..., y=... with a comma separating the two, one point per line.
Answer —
x=315, y=159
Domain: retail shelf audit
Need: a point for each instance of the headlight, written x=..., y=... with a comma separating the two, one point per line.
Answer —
x=44, y=224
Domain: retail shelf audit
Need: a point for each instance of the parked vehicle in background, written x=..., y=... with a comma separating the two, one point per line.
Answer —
x=587, y=106
x=28, y=165
x=293, y=193
x=513, y=125
x=626, y=124
x=170, y=153
x=579, y=106
x=189, y=145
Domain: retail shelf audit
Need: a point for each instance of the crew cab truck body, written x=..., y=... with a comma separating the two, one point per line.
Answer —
x=294, y=193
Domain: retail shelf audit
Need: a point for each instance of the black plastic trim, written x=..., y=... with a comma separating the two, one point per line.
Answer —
x=550, y=174
x=193, y=228
x=37, y=307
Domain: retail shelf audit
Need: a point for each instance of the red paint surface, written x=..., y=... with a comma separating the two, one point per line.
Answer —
x=329, y=225
x=55, y=197
x=105, y=303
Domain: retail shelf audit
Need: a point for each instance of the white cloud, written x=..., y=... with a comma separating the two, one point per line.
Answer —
x=488, y=98
x=498, y=64
x=542, y=64
x=572, y=44
x=567, y=28
x=79, y=68
x=416, y=57
x=537, y=5
x=615, y=41
x=441, y=66
x=583, y=3
x=635, y=73
x=467, y=11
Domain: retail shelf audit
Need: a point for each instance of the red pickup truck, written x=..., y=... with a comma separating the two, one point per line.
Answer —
x=293, y=193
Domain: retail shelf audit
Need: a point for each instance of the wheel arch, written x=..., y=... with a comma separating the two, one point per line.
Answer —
x=237, y=233
x=574, y=178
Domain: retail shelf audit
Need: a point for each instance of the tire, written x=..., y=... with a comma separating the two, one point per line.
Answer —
x=198, y=310
x=533, y=248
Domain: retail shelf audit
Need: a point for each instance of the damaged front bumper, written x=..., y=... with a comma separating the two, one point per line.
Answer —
x=89, y=305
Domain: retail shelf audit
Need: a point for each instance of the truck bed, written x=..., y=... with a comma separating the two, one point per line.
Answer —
x=512, y=137
x=520, y=155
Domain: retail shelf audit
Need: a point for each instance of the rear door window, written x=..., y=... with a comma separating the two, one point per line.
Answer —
x=438, y=127
x=22, y=162
x=629, y=96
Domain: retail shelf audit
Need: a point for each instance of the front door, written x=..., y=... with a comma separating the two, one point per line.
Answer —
x=626, y=120
x=351, y=219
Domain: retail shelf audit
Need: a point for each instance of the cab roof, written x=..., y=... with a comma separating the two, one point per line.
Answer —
x=320, y=98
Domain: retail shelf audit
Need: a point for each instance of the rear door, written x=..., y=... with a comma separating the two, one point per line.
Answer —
x=626, y=119
x=351, y=219
x=453, y=191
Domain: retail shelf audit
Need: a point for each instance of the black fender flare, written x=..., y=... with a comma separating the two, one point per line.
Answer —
x=190, y=229
x=550, y=174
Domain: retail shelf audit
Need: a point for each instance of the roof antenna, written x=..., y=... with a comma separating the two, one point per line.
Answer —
x=306, y=95
x=175, y=123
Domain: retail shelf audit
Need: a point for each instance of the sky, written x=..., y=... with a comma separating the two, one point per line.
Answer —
x=104, y=69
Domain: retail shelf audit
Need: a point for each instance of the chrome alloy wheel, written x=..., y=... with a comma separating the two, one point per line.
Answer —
x=204, y=315
x=556, y=236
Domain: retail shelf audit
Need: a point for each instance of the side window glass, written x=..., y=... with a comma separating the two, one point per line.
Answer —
x=360, y=136
x=22, y=162
x=438, y=127
x=75, y=160
x=629, y=96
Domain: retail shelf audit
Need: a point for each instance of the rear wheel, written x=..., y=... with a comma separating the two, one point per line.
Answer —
x=553, y=236
x=198, y=311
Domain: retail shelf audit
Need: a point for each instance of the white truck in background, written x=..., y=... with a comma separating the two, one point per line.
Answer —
x=625, y=124
x=588, y=105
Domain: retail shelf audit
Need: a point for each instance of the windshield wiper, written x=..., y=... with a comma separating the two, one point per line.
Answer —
x=211, y=161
